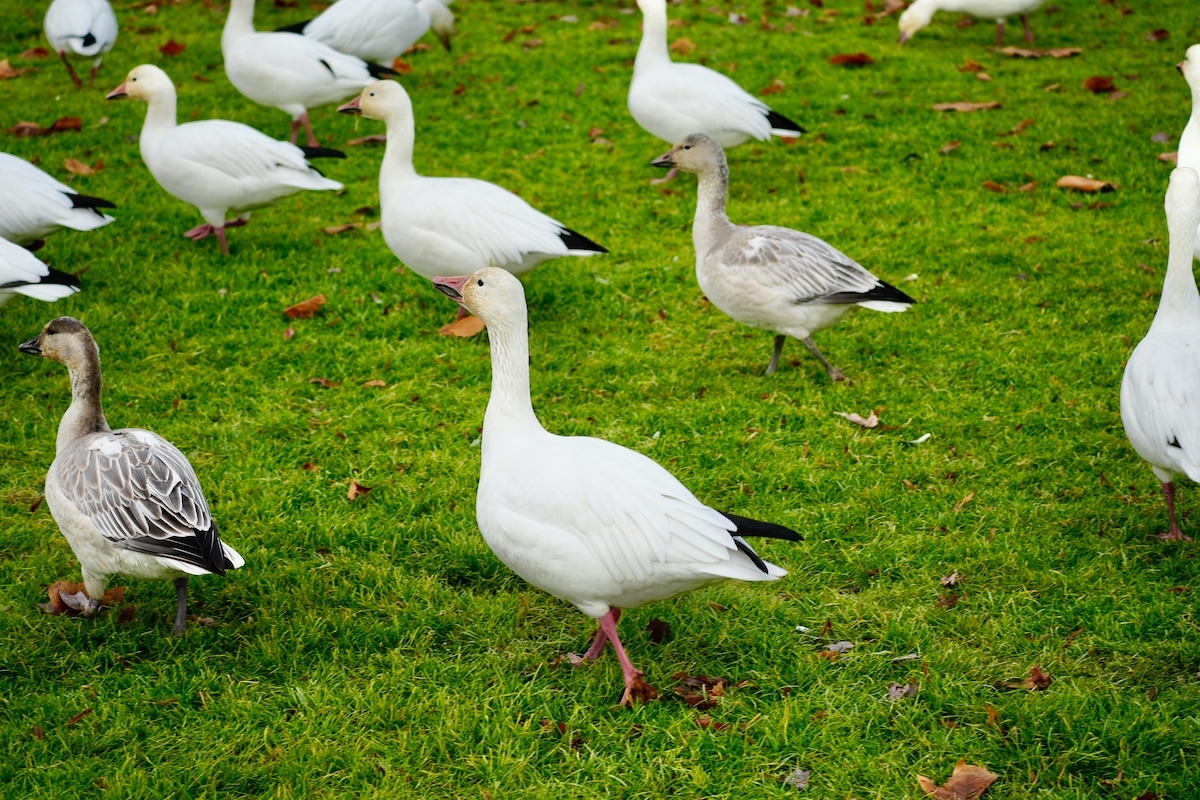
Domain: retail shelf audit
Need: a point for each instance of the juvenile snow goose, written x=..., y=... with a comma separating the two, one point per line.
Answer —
x=127, y=501
x=921, y=12
x=289, y=71
x=769, y=277
x=21, y=272
x=81, y=29
x=593, y=523
x=33, y=204
x=460, y=225
x=1160, y=392
x=216, y=165
x=1189, y=142
x=672, y=100
x=378, y=30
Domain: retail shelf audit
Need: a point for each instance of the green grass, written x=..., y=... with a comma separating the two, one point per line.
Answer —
x=376, y=648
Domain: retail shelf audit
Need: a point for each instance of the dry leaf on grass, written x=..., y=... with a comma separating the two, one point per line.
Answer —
x=26, y=128
x=700, y=691
x=965, y=107
x=992, y=186
x=172, y=48
x=1100, y=84
x=325, y=382
x=1055, y=52
x=76, y=167
x=305, y=309
x=1081, y=184
x=334, y=230
x=682, y=46
x=967, y=783
x=67, y=597
x=798, y=778
x=950, y=147
x=951, y=580
x=898, y=691
x=1018, y=128
x=357, y=490
x=402, y=66
x=775, y=87
x=375, y=384
x=660, y=630
x=851, y=60
x=961, y=504
x=465, y=327
x=970, y=66
x=868, y=422
x=36, y=52
x=8, y=71
x=1158, y=35
x=1170, y=158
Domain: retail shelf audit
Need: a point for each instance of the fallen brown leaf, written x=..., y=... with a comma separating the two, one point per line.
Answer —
x=375, y=384
x=36, y=52
x=897, y=691
x=334, y=230
x=305, y=309
x=992, y=186
x=660, y=630
x=357, y=490
x=1027, y=187
x=1036, y=682
x=967, y=783
x=1100, y=84
x=1158, y=35
x=172, y=48
x=948, y=601
x=325, y=382
x=851, y=60
x=1018, y=128
x=8, y=71
x=682, y=46
x=700, y=691
x=402, y=66
x=65, y=598
x=641, y=692
x=869, y=422
x=25, y=128
x=79, y=168
x=1019, y=52
x=1170, y=158
x=78, y=717
x=775, y=87
x=961, y=504
x=465, y=327
x=965, y=107
x=798, y=778
x=970, y=66
x=950, y=580
x=1081, y=184
x=950, y=147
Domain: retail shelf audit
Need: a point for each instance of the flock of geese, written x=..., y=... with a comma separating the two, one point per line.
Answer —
x=598, y=525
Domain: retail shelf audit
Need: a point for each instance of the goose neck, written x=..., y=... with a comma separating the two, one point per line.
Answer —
x=653, y=48
x=85, y=414
x=710, y=221
x=240, y=19
x=160, y=113
x=510, y=409
x=398, y=152
x=1180, y=298
x=1189, y=141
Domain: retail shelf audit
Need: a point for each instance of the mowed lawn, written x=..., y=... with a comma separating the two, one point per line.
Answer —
x=375, y=648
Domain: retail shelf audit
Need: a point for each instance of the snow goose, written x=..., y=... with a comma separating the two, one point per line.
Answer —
x=378, y=30
x=1189, y=142
x=766, y=276
x=460, y=225
x=127, y=501
x=34, y=204
x=1160, y=392
x=21, y=272
x=593, y=523
x=921, y=12
x=81, y=29
x=288, y=71
x=216, y=165
x=673, y=100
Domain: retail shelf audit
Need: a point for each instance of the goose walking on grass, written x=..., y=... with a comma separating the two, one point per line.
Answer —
x=595, y=524
x=84, y=29
x=921, y=12
x=671, y=100
x=1160, y=392
x=34, y=204
x=1189, y=142
x=21, y=272
x=378, y=30
x=217, y=165
x=289, y=71
x=437, y=225
x=127, y=501
x=767, y=276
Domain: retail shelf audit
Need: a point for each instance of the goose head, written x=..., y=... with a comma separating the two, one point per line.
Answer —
x=492, y=294
x=441, y=19
x=915, y=17
x=65, y=340
x=382, y=100
x=1190, y=66
x=698, y=153
x=142, y=83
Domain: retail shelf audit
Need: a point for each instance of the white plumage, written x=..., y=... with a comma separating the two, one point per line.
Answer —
x=438, y=225
x=770, y=277
x=378, y=30
x=1189, y=142
x=921, y=12
x=21, y=272
x=1160, y=391
x=84, y=29
x=673, y=100
x=288, y=71
x=127, y=501
x=588, y=521
x=34, y=204
x=216, y=165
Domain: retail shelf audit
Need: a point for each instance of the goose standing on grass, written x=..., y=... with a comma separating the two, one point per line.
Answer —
x=21, y=272
x=289, y=71
x=378, y=30
x=34, y=204
x=216, y=165
x=127, y=501
x=673, y=100
x=766, y=276
x=1189, y=142
x=439, y=225
x=81, y=29
x=593, y=523
x=1160, y=392
x=921, y=12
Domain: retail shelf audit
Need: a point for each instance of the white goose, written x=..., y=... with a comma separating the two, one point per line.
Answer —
x=81, y=29
x=1189, y=142
x=439, y=225
x=673, y=100
x=1160, y=392
x=378, y=30
x=127, y=501
x=216, y=165
x=288, y=71
x=593, y=523
x=21, y=272
x=921, y=12
x=34, y=204
x=770, y=277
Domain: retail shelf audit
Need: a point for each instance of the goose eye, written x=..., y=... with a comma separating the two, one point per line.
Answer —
x=687, y=147
x=479, y=282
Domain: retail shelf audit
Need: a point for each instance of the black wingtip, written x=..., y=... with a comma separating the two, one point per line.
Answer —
x=753, y=556
x=780, y=122
x=297, y=27
x=577, y=241
x=61, y=278
x=767, y=530
x=83, y=201
x=380, y=72
x=321, y=152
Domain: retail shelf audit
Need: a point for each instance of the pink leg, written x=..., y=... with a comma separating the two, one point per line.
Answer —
x=221, y=239
x=1175, y=534
x=92, y=74
x=635, y=688
x=601, y=638
x=199, y=232
x=312, y=140
x=1028, y=32
x=295, y=131
x=999, y=33
x=70, y=70
x=236, y=222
